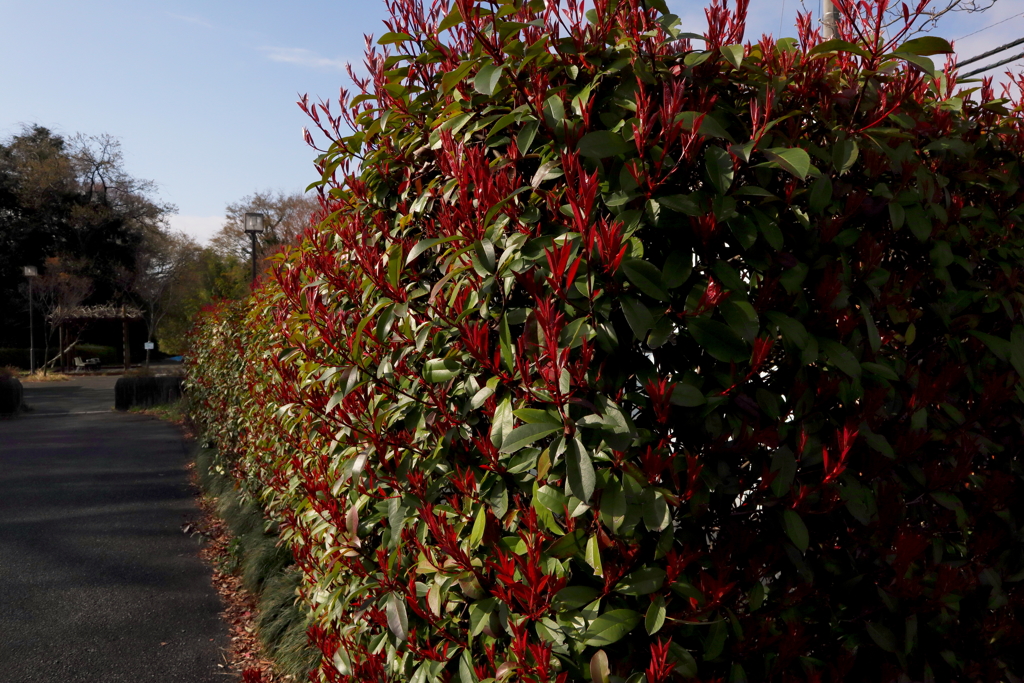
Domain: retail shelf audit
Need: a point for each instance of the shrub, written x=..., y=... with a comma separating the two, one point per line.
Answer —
x=267, y=571
x=18, y=358
x=144, y=391
x=11, y=393
x=618, y=359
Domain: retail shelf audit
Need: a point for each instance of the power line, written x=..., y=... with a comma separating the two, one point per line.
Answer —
x=992, y=66
x=985, y=28
x=991, y=52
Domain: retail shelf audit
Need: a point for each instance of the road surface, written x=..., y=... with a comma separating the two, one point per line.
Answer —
x=97, y=580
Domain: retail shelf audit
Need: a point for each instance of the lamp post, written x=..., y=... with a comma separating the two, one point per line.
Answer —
x=253, y=227
x=30, y=272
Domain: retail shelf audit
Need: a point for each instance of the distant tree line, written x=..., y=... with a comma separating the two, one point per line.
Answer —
x=99, y=236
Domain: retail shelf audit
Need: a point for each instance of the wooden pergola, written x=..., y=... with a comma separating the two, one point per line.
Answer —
x=83, y=315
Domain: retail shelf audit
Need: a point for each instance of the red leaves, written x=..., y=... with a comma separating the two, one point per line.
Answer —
x=605, y=239
x=660, y=667
x=835, y=466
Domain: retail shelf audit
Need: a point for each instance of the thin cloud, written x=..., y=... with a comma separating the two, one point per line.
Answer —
x=192, y=20
x=303, y=57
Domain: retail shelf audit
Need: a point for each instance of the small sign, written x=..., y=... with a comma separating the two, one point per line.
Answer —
x=149, y=346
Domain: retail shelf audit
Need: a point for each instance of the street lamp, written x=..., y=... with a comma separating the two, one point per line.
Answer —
x=253, y=227
x=30, y=272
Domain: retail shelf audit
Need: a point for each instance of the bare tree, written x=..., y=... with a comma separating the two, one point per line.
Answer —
x=98, y=165
x=926, y=14
x=59, y=291
x=287, y=215
x=163, y=261
x=933, y=13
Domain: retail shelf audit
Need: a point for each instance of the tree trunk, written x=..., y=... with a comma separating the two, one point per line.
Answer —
x=124, y=324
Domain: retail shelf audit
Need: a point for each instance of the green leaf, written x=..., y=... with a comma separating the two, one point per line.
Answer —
x=599, y=670
x=793, y=278
x=535, y=416
x=525, y=137
x=697, y=58
x=398, y=619
x=641, y=582
x=569, y=545
x=881, y=370
x=882, y=636
x=479, y=526
x=453, y=78
x=638, y=316
x=879, y=443
x=554, y=110
x=1000, y=347
x=926, y=45
x=441, y=369
x=646, y=277
x=841, y=357
x=793, y=331
x=718, y=340
x=454, y=18
x=715, y=642
x=592, y=556
x=466, y=672
x=611, y=627
x=527, y=434
x=574, y=597
x=709, y=125
x=796, y=530
x=502, y=421
x=551, y=499
x=687, y=396
x=844, y=155
x=485, y=253
x=487, y=79
x=663, y=329
x=677, y=270
x=719, y=166
x=573, y=334
x=919, y=223
x=602, y=144
x=741, y=318
x=733, y=54
x=335, y=400
x=505, y=342
x=792, y=159
x=897, y=215
x=686, y=665
x=821, y=194
x=655, y=617
x=681, y=203
x=756, y=596
x=391, y=37
x=580, y=470
x=423, y=245
x=657, y=515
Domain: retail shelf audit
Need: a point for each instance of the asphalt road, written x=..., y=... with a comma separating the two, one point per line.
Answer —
x=97, y=580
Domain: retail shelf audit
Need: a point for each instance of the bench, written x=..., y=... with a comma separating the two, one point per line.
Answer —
x=87, y=364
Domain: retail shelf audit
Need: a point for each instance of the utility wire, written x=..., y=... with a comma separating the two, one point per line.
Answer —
x=992, y=66
x=985, y=28
x=991, y=52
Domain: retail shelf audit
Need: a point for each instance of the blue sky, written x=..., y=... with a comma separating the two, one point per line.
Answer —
x=202, y=94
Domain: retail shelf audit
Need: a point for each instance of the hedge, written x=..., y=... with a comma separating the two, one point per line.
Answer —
x=144, y=391
x=617, y=359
